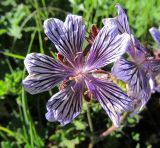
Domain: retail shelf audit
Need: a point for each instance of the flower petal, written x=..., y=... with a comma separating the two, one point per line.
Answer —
x=65, y=105
x=44, y=73
x=152, y=66
x=122, y=18
x=107, y=48
x=113, y=100
x=67, y=36
x=135, y=77
x=137, y=51
x=121, y=21
x=155, y=33
x=153, y=85
x=113, y=22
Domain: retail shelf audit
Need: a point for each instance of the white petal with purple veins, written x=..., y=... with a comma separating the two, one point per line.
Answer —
x=137, y=51
x=44, y=73
x=113, y=100
x=113, y=22
x=155, y=33
x=152, y=66
x=67, y=36
x=135, y=77
x=122, y=19
x=107, y=48
x=65, y=105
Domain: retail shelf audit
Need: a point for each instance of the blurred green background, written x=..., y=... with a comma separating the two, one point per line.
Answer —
x=22, y=116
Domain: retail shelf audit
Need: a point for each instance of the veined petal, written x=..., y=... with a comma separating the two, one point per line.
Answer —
x=122, y=18
x=152, y=66
x=67, y=36
x=113, y=100
x=152, y=83
x=155, y=33
x=107, y=48
x=110, y=22
x=135, y=77
x=44, y=73
x=121, y=21
x=65, y=105
x=76, y=32
x=136, y=50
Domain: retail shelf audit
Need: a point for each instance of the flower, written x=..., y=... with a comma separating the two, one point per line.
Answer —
x=138, y=71
x=155, y=33
x=155, y=84
x=76, y=72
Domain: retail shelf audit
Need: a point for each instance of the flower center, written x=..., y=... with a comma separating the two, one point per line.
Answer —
x=79, y=75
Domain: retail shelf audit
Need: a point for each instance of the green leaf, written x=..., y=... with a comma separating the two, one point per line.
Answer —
x=3, y=88
x=2, y=31
x=13, y=55
x=5, y=144
x=79, y=125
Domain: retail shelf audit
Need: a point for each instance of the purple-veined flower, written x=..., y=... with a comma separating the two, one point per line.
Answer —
x=155, y=33
x=155, y=86
x=138, y=71
x=76, y=73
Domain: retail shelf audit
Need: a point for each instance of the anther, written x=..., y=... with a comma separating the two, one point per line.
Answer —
x=90, y=80
x=71, y=78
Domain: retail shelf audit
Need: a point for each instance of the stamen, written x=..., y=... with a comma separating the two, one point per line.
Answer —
x=72, y=89
x=71, y=78
x=77, y=55
x=90, y=80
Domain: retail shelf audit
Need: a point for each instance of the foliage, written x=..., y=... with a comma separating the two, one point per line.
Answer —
x=10, y=85
x=22, y=116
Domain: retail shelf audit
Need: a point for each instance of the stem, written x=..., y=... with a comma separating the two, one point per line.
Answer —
x=9, y=65
x=91, y=144
x=89, y=119
x=107, y=132
x=39, y=25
